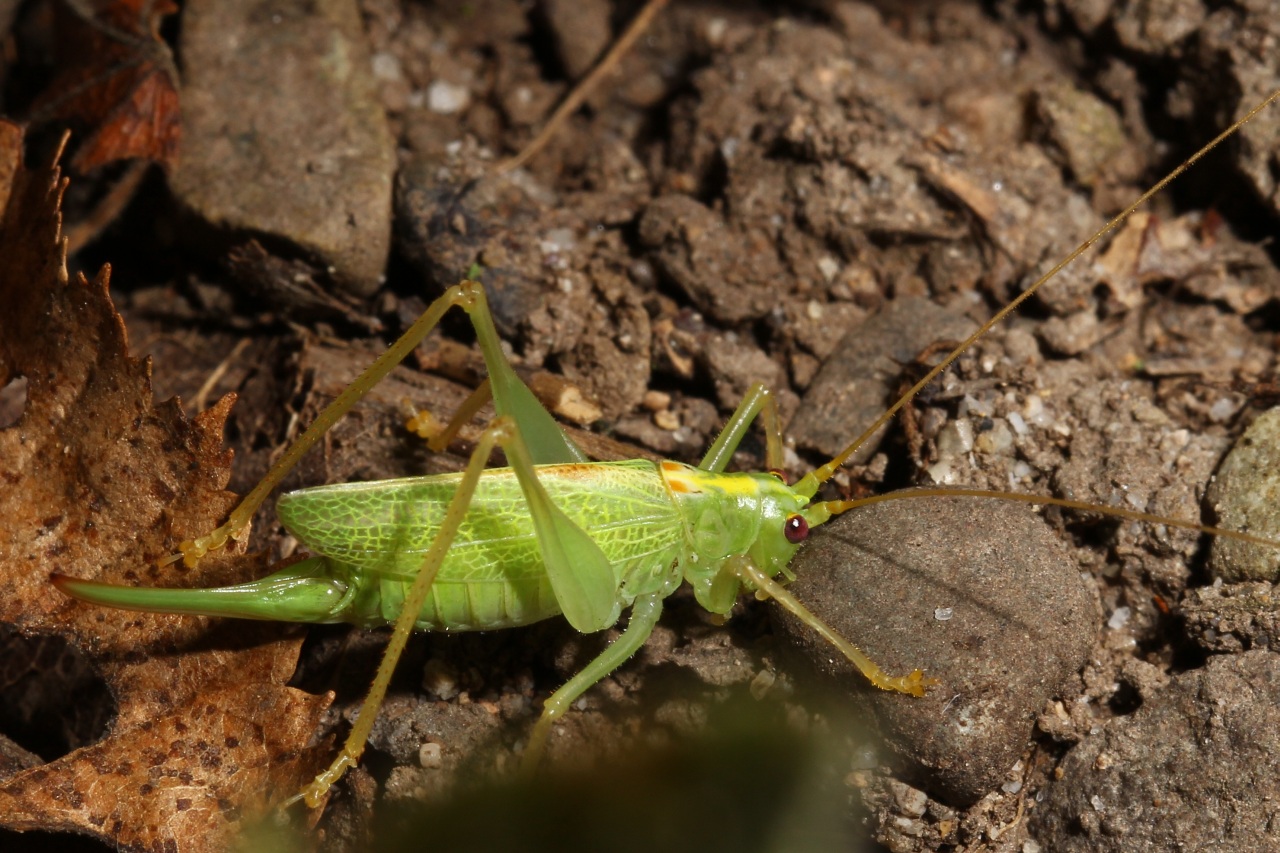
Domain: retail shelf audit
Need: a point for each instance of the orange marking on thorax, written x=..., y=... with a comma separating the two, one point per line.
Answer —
x=677, y=478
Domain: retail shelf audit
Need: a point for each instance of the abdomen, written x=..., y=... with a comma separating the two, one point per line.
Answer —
x=467, y=606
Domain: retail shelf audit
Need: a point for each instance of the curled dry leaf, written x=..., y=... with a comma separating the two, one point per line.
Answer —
x=100, y=482
x=118, y=81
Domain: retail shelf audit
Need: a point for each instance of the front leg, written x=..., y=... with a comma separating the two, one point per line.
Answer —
x=913, y=682
x=759, y=401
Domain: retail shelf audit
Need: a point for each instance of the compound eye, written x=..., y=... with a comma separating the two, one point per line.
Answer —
x=796, y=529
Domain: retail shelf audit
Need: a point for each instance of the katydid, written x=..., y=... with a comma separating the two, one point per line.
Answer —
x=552, y=534
x=489, y=549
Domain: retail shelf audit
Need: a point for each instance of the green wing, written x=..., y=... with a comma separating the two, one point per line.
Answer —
x=385, y=526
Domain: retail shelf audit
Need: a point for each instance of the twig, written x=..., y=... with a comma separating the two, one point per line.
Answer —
x=218, y=372
x=584, y=89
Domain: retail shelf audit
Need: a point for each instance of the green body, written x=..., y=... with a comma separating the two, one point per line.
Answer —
x=655, y=522
x=552, y=534
x=372, y=537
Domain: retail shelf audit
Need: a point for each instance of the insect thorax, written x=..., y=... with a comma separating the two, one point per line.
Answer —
x=727, y=516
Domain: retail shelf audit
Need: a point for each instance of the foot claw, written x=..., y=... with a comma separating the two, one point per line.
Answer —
x=425, y=425
x=191, y=551
x=317, y=791
x=914, y=683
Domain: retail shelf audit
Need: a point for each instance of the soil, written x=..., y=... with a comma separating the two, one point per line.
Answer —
x=746, y=199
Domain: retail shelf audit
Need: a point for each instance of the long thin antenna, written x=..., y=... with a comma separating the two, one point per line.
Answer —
x=837, y=507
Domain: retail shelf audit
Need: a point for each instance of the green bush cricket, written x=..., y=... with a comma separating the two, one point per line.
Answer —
x=552, y=534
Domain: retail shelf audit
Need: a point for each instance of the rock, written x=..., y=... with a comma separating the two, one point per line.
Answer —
x=725, y=271
x=978, y=593
x=853, y=387
x=1245, y=495
x=581, y=31
x=1232, y=617
x=283, y=134
x=550, y=270
x=1193, y=769
x=1087, y=131
x=444, y=227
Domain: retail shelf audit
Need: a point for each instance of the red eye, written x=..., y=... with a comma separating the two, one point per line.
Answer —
x=796, y=529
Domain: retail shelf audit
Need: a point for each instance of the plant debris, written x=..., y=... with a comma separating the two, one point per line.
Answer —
x=101, y=482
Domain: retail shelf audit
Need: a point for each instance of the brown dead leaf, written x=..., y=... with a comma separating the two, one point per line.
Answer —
x=100, y=482
x=118, y=82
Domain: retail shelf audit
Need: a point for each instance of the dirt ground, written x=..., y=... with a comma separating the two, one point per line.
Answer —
x=810, y=195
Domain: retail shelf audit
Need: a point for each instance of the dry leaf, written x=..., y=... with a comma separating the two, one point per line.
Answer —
x=100, y=482
x=118, y=82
